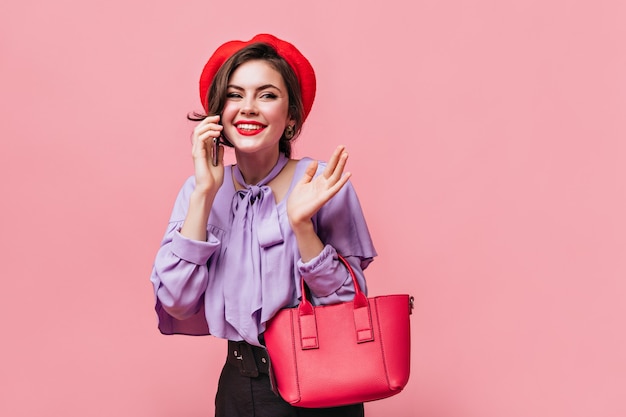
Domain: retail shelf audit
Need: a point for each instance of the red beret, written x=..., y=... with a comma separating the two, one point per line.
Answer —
x=300, y=65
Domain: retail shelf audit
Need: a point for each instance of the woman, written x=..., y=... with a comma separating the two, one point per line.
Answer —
x=241, y=237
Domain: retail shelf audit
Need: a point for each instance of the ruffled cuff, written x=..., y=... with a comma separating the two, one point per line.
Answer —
x=323, y=274
x=194, y=251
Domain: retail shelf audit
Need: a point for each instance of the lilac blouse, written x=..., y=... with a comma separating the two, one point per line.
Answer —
x=250, y=266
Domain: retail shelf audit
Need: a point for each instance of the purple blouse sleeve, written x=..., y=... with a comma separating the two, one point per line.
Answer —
x=180, y=274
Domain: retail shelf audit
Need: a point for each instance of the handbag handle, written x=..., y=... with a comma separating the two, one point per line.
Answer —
x=362, y=315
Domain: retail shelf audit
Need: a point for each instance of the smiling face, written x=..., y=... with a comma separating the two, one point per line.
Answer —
x=256, y=111
x=216, y=95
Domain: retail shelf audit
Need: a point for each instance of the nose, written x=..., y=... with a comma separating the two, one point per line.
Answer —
x=248, y=106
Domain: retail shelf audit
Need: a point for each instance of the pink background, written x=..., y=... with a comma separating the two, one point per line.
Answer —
x=487, y=146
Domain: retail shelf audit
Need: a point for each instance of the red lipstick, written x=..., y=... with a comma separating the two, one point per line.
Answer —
x=249, y=127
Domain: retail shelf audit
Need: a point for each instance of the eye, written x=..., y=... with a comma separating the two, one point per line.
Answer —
x=233, y=94
x=268, y=96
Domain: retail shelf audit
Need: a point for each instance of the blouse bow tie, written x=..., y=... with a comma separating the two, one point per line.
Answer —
x=255, y=227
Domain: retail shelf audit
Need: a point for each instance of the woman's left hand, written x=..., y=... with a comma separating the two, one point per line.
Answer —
x=311, y=192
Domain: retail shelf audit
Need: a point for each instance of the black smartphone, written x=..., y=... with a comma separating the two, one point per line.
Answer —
x=216, y=147
x=216, y=144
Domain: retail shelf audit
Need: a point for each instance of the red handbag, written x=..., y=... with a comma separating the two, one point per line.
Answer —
x=339, y=354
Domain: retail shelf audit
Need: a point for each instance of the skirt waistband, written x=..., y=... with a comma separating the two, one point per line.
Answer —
x=251, y=360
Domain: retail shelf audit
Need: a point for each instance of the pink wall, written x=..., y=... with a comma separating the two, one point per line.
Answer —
x=487, y=146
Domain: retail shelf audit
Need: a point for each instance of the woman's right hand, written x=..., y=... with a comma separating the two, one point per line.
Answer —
x=209, y=178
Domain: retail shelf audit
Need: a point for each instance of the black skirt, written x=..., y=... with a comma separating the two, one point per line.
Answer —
x=244, y=389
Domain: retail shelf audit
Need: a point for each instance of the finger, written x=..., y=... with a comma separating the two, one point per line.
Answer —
x=334, y=159
x=207, y=129
x=208, y=123
x=309, y=172
x=209, y=136
x=211, y=119
x=343, y=180
x=200, y=136
x=334, y=189
x=341, y=165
